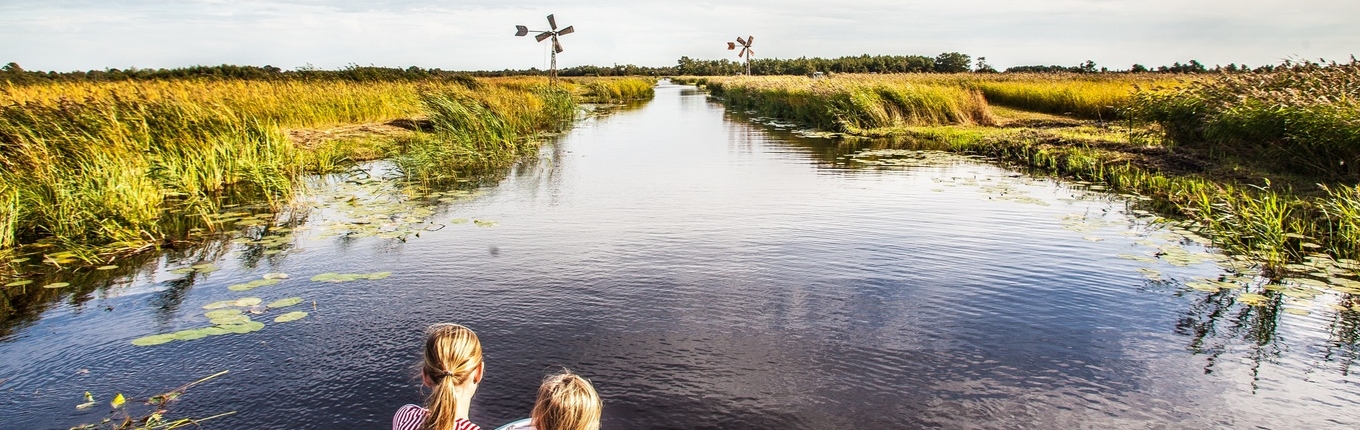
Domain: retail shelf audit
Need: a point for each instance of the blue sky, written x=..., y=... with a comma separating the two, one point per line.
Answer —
x=86, y=34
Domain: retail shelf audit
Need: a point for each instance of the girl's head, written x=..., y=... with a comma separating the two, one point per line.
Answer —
x=566, y=402
x=452, y=368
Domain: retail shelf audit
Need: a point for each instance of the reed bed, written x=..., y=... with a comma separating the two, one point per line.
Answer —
x=1302, y=117
x=616, y=90
x=112, y=163
x=856, y=104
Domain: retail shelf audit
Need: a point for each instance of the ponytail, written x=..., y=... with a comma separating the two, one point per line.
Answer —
x=452, y=354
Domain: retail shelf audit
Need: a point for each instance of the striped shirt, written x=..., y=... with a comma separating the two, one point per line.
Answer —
x=411, y=417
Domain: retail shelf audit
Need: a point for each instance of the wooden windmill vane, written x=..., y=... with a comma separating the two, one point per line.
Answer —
x=521, y=30
x=746, y=51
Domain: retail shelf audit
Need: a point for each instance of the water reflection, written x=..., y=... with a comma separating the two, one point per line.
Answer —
x=706, y=271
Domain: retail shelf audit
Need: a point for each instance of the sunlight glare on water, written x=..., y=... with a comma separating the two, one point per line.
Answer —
x=705, y=271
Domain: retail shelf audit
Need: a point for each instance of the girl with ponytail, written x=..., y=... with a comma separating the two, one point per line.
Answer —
x=452, y=368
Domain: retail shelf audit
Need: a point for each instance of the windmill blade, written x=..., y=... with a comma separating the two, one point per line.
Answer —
x=566, y=31
x=742, y=53
x=552, y=22
x=557, y=46
x=731, y=46
x=741, y=41
x=521, y=30
x=544, y=35
x=750, y=40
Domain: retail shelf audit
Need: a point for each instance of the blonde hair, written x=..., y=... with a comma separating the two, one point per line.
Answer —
x=566, y=402
x=452, y=353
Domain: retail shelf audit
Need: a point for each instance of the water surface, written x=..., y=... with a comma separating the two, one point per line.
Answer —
x=705, y=271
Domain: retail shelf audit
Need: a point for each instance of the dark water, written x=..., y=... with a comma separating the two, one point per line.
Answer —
x=707, y=272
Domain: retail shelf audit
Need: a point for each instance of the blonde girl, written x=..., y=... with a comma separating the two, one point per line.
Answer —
x=566, y=401
x=452, y=368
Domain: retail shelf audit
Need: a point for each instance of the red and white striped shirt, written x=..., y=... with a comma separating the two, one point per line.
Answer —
x=411, y=417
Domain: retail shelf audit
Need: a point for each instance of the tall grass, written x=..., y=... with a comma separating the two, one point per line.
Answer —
x=1304, y=117
x=101, y=163
x=617, y=90
x=483, y=129
x=854, y=103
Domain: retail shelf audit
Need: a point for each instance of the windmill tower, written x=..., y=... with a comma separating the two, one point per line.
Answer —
x=546, y=34
x=746, y=51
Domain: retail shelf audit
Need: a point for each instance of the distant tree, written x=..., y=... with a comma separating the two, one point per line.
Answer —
x=12, y=67
x=1138, y=68
x=983, y=67
x=953, y=62
x=1087, y=67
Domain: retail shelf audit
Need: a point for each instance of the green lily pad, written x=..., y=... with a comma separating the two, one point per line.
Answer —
x=276, y=276
x=222, y=313
x=57, y=285
x=377, y=276
x=229, y=319
x=191, y=334
x=20, y=282
x=1252, y=299
x=243, y=328
x=291, y=316
x=156, y=339
x=205, y=268
x=248, y=301
x=182, y=271
x=240, y=287
x=283, y=303
x=220, y=305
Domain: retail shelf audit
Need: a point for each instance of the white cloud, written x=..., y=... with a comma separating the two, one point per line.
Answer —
x=65, y=34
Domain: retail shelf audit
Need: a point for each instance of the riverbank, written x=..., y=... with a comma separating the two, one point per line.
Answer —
x=1251, y=197
x=94, y=171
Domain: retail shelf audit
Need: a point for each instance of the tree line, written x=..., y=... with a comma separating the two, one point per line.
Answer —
x=949, y=62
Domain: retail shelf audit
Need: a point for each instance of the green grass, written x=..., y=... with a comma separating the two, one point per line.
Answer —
x=117, y=165
x=1275, y=222
x=854, y=104
x=1301, y=118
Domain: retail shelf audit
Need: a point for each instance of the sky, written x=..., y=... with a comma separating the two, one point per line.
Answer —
x=68, y=35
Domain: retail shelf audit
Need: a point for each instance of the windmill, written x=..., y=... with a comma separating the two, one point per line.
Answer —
x=546, y=34
x=745, y=50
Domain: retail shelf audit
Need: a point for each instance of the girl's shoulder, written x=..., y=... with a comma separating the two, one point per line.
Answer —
x=409, y=417
x=463, y=424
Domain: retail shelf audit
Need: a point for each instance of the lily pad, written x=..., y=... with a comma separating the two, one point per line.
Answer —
x=156, y=339
x=57, y=285
x=283, y=303
x=243, y=328
x=182, y=271
x=378, y=276
x=205, y=268
x=1252, y=299
x=220, y=305
x=229, y=319
x=20, y=282
x=276, y=276
x=240, y=287
x=291, y=316
x=248, y=301
x=222, y=313
x=191, y=334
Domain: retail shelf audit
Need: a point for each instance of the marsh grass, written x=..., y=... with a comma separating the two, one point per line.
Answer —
x=855, y=104
x=117, y=165
x=1307, y=113
x=484, y=129
x=1300, y=117
x=615, y=90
